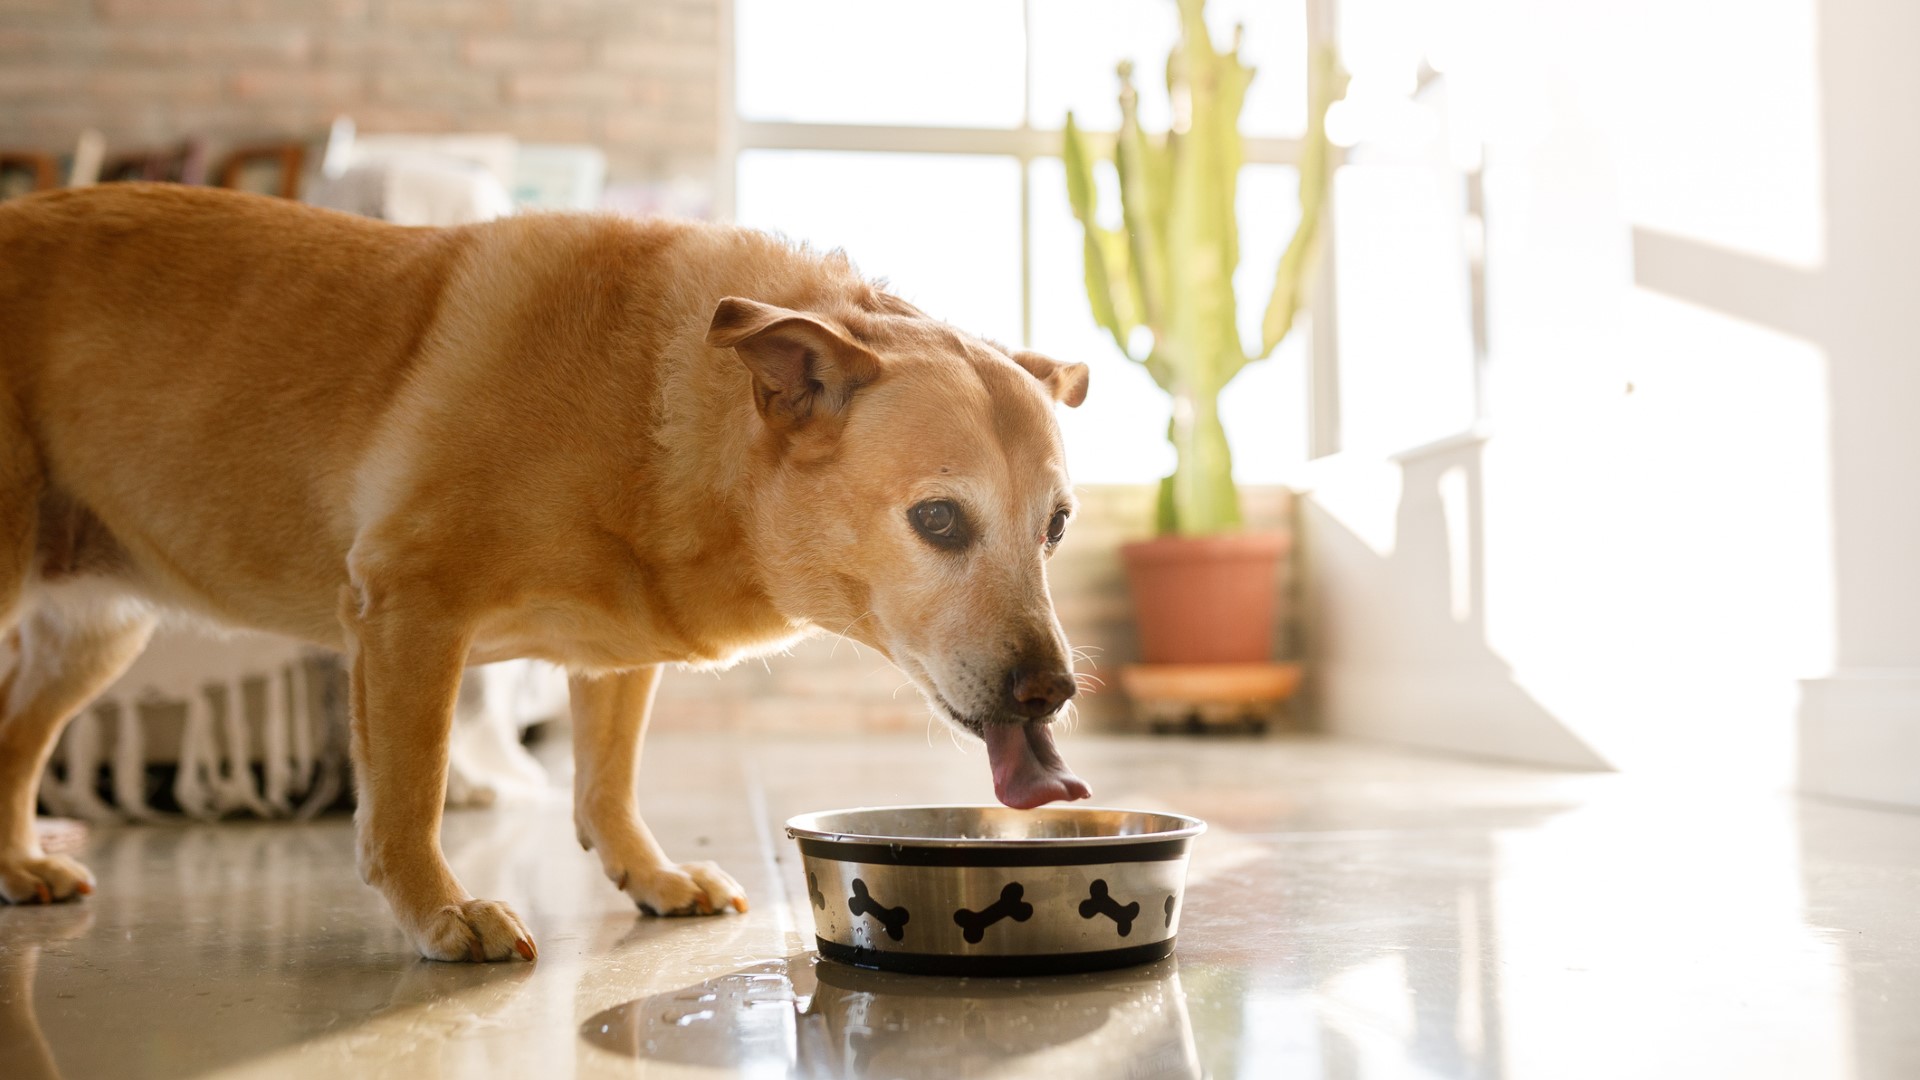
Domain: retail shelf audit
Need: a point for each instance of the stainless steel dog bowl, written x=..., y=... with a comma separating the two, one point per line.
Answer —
x=987, y=890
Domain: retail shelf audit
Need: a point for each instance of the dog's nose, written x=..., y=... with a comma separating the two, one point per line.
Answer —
x=1039, y=693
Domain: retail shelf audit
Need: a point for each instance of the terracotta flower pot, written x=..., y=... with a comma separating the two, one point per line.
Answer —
x=1205, y=599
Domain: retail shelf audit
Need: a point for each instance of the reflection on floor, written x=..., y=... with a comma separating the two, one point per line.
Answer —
x=1353, y=912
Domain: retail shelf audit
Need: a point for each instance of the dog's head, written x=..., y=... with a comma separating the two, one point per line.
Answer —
x=911, y=488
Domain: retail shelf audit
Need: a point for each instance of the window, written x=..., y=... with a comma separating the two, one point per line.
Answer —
x=923, y=137
x=1407, y=226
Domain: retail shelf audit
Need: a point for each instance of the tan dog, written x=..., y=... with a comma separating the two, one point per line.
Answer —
x=608, y=444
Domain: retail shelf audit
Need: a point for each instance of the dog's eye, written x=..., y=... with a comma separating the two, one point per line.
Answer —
x=939, y=521
x=1056, y=528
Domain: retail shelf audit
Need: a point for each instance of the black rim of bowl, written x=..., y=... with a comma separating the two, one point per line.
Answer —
x=913, y=963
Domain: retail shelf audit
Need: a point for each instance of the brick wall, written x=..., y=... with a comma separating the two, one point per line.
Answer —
x=637, y=77
x=833, y=685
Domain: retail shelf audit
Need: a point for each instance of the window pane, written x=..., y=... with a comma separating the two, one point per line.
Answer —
x=1385, y=39
x=1119, y=435
x=1265, y=407
x=943, y=229
x=1077, y=44
x=1406, y=351
x=926, y=62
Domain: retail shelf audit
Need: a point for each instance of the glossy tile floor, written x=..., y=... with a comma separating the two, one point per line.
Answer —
x=1354, y=912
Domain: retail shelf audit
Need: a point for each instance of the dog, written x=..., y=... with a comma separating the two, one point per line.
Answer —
x=608, y=444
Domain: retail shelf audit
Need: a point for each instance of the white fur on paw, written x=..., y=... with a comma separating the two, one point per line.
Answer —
x=474, y=930
x=42, y=880
x=697, y=888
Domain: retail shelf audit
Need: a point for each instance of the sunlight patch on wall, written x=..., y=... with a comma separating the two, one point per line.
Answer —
x=1718, y=126
x=1642, y=566
x=1363, y=497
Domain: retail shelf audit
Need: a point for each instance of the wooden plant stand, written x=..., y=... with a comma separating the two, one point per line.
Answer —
x=1209, y=698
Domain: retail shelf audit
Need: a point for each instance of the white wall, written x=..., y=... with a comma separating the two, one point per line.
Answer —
x=1860, y=726
x=1700, y=247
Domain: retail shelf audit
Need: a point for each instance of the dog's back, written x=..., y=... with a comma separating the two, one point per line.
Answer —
x=216, y=387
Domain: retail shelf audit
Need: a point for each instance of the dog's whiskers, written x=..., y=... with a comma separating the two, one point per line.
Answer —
x=842, y=635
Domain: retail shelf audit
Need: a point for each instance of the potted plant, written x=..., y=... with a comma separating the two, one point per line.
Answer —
x=1204, y=588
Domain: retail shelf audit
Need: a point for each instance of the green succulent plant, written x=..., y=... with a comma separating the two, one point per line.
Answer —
x=1169, y=267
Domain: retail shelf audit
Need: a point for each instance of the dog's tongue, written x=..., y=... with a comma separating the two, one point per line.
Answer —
x=1027, y=770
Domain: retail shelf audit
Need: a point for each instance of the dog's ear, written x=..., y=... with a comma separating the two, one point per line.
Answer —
x=802, y=366
x=1066, y=382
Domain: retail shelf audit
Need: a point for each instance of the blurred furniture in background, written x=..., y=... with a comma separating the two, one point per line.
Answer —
x=206, y=725
x=427, y=178
x=185, y=163
x=22, y=171
x=452, y=179
x=25, y=171
x=279, y=164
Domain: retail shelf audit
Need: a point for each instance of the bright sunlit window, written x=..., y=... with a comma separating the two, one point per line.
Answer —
x=922, y=136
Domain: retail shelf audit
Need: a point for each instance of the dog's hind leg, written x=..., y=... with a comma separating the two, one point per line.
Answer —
x=62, y=655
x=67, y=654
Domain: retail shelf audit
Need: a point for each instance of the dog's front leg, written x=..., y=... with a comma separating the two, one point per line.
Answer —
x=407, y=654
x=609, y=719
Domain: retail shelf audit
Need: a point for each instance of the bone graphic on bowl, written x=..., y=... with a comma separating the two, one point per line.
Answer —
x=893, y=918
x=1169, y=909
x=813, y=891
x=1100, y=902
x=974, y=923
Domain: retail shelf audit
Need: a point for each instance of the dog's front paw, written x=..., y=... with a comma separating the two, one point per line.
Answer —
x=42, y=879
x=697, y=888
x=475, y=930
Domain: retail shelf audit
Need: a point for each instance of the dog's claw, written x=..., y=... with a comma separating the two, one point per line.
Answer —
x=475, y=931
x=740, y=904
x=525, y=949
x=46, y=879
